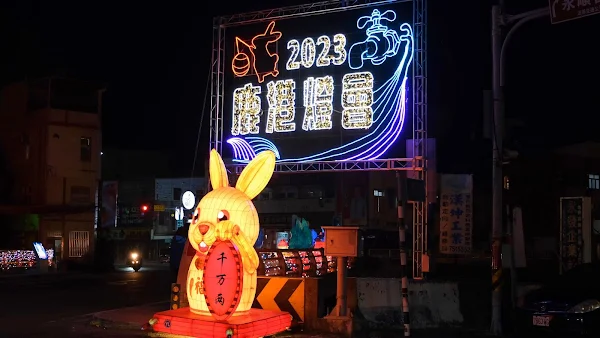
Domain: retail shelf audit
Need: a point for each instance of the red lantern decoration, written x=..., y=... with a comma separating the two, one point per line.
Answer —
x=221, y=279
x=223, y=276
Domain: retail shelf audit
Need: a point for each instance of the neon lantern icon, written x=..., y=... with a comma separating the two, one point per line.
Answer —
x=246, y=54
x=381, y=42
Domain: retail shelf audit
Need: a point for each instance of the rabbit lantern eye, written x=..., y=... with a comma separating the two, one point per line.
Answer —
x=196, y=214
x=223, y=215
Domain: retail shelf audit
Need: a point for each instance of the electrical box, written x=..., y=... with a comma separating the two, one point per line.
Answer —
x=341, y=241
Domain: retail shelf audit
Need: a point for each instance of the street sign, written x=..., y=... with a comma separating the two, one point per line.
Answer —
x=566, y=10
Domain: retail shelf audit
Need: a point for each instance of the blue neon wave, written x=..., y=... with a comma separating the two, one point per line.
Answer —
x=246, y=149
x=389, y=109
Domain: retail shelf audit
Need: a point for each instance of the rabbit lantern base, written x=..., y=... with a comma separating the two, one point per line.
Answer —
x=221, y=280
x=254, y=324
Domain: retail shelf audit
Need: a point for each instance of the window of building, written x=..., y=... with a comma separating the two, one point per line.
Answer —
x=80, y=195
x=25, y=142
x=392, y=198
x=79, y=243
x=593, y=181
x=176, y=194
x=85, y=154
x=506, y=183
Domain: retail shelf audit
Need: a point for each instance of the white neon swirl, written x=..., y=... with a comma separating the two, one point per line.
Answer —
x=368, y=49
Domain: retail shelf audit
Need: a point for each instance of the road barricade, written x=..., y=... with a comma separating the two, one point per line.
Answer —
x=306, y=299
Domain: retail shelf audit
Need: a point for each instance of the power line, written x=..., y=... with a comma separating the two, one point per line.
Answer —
x=201, y=121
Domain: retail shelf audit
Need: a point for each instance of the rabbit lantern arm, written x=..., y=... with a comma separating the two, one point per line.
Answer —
x=244, y=245
x=230, y=231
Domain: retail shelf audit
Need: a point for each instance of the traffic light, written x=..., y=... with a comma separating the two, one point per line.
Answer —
x=144, y=208
x=175, y=296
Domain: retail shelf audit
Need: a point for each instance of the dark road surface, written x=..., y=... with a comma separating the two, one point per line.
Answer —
x=62, y=305
x=58, y=304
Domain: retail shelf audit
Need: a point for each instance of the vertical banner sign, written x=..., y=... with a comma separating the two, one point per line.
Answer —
x=108, y=214
x=456, y=213
x=575, y=232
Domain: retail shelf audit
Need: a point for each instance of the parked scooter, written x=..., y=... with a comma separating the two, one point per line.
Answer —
x=135, y=261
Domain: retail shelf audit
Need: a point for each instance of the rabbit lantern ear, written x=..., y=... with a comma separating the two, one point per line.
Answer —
x=256, y=175
x=217, y=171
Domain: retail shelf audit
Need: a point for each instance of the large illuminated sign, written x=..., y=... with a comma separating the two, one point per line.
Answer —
x=221, y=279
x=327, y=88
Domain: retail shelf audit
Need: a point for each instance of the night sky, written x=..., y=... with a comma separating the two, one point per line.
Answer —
x=155, y=59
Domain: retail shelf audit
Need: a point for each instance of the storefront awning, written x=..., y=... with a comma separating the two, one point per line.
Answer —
x=45, y=209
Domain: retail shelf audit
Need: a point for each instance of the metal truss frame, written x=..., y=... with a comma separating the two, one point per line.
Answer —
x=420, y=132
x=329, y=166
x=418, y=164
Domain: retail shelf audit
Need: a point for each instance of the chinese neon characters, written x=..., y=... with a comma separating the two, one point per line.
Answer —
x=356, y=101
x=246, y=110
x=281, y=96
x=318, y=103
x=222, y=275
x=260, y=47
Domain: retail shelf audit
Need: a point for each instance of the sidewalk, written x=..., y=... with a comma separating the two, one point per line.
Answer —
x=135, y=318
x=131, y=318
x=15, y=272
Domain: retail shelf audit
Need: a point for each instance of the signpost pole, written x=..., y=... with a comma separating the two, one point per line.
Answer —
x=497, y=133
x=341, y=286
x=402, y=201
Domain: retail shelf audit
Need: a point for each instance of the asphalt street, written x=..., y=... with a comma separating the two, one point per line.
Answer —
x=59, y=305
x=63, y=305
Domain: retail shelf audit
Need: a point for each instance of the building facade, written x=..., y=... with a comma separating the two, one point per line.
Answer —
x=144, y=214
x=51, y=138
x=171, y=212
x=537, y=181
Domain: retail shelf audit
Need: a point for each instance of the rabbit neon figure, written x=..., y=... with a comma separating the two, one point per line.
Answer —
x=228, y=214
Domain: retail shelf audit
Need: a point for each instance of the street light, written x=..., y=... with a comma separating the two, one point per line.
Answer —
x=499, y=19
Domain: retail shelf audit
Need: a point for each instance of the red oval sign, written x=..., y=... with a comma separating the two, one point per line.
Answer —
x=223, y=276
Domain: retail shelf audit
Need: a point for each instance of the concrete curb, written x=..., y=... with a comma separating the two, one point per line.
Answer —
x=106, y=319
x=111, y=324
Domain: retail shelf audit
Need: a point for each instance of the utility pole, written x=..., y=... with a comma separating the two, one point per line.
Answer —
x=499, y=43
x=497, y=134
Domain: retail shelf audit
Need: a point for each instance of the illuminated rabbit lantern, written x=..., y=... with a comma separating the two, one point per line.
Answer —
x=222, y=275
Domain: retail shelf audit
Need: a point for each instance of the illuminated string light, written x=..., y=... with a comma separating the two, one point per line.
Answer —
x=281, y=96
x=308, y=52
x=21, y=258
x=389, y=110
x=246, y=110
x=324, y=59
x=357, y=99
x=294, y=47
x=305, y=54
x=339, y=49
x=318, y=103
